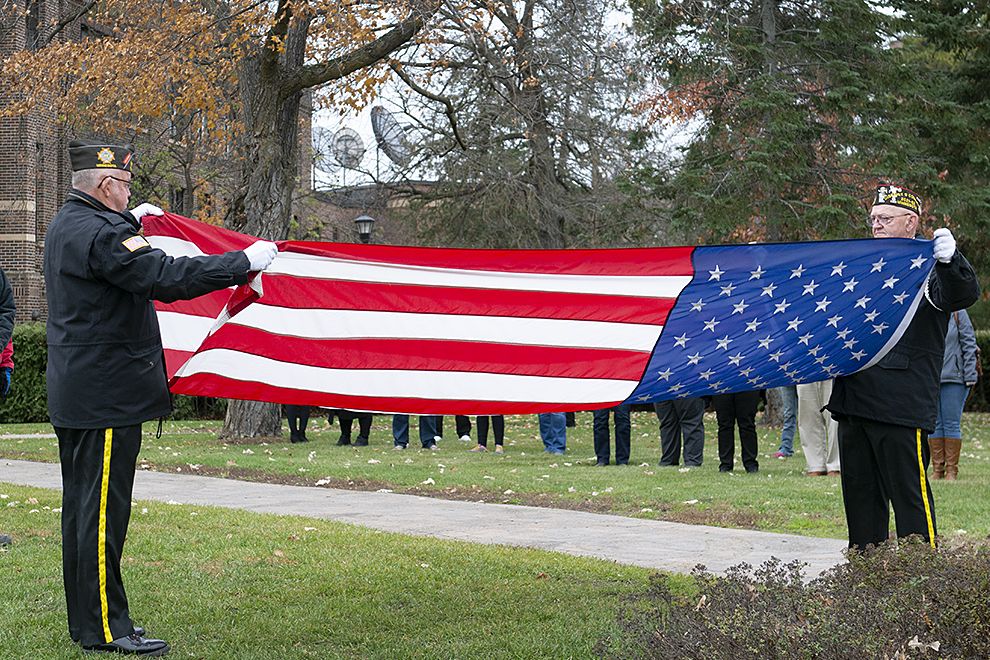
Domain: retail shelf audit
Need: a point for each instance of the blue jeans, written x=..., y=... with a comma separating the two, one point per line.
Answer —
x=427, y=429
x=553, y=430
x=951, y=399
x=789, y=404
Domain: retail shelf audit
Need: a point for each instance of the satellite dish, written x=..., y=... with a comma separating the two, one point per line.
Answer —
x=347, y=147
x=391, y=136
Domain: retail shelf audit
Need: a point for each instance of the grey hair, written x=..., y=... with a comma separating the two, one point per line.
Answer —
x=87, y=180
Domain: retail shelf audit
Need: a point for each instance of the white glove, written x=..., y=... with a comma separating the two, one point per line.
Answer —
x=146, y=209
x=945, y=245
x=260, y=254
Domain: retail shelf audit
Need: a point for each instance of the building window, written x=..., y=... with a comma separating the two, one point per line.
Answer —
x=33, y=21
x=178, y=200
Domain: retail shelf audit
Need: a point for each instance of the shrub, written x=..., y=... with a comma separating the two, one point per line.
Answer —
x=28, y=400
x=909, y=602
x=979, y=398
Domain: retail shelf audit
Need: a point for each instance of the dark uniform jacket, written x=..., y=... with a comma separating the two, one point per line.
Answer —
x=903, y=387
x=105, y=362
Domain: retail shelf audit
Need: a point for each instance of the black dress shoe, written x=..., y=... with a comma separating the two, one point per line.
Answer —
x=601, y=463
x=132, y=645
x=361, y=442
x=343, y=442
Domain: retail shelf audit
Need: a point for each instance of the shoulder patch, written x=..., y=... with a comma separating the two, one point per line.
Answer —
x=136, y=243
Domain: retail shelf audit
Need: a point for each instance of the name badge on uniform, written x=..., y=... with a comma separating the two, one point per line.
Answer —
x=136, y=243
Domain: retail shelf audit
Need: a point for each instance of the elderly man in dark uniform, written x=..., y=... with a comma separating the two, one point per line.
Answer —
x=106, y=374
x=886, y=412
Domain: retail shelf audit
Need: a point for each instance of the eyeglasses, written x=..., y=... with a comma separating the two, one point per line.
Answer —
x=885, y=220
x=126, y=182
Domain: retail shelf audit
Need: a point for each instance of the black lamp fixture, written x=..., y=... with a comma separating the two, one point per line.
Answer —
x=365, y=223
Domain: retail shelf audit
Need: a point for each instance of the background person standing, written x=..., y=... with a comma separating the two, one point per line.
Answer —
x=957, y=379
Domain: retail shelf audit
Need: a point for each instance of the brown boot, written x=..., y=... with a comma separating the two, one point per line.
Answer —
x=952, y=448
x=937, y=445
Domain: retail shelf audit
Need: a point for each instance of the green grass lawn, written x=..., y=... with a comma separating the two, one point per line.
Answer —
x=227, y=584
x=780, y=498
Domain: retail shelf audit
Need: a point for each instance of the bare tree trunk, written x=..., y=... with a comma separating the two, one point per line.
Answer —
x=263, y=206
x=773, y=414
x=252, y=419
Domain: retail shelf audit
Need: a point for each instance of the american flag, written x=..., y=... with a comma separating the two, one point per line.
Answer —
x=451, y=331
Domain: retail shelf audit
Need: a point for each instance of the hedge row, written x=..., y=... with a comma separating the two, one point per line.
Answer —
x=27, y=403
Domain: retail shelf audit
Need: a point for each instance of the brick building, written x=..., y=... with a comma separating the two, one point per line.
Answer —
x=34, y=168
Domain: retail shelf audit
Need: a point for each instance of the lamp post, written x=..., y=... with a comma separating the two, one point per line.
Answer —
x=365, y=223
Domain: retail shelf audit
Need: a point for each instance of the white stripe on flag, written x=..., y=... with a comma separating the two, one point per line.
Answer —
x=183, y=332
x=398, y=383
x=342, y=324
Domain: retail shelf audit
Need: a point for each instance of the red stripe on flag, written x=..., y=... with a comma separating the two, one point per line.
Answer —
x=210, y=304
x=629, y=261
x=219, y=386
x=175, y=359
x=433, y=355
x=294, y=293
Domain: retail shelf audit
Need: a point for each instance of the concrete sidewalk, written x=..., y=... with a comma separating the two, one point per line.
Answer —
x=656, y=544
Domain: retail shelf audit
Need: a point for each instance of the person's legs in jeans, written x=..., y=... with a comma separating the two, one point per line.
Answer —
x=601, y=435
x=400, y=430
x=788, y=411
x=558, y=425
x=429, y=429
x=553, y=429
x=623, y=433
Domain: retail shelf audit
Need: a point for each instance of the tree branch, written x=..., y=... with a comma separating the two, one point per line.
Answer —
x=317, y=74
x=422, y=91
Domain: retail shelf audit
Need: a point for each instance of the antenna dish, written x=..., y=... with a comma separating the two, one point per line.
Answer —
x=347, y=147
x=391, y=136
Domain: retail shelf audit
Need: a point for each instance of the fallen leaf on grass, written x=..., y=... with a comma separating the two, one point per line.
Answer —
x=428, y=482
x=690, y=502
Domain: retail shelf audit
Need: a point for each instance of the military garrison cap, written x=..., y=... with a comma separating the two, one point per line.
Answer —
x=898, y=196
x=90, y=155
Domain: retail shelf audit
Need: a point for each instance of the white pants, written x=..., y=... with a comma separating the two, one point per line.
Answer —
x=818, y=431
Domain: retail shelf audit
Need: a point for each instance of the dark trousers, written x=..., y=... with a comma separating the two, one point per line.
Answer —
x=883, y=465
x=347, y=417
x=498, y=426
x=97, y=482
x=681, y=418
x=732, y=410
x=622, y=433
x=297, y=418
x=463, y=425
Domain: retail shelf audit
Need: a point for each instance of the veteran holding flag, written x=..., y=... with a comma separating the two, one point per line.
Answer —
x=106, y=374
x=886, y=412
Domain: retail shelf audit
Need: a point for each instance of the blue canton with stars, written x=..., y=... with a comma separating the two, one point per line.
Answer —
x=759, y=316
